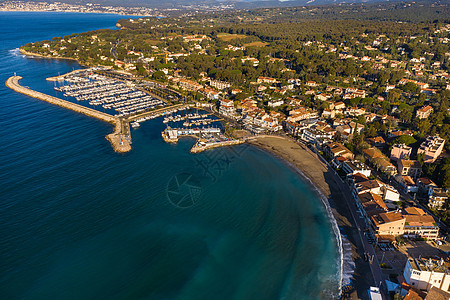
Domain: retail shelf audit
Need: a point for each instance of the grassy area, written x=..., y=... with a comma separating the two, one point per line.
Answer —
x=256, y=44
x=153, y=42
x=228, y=36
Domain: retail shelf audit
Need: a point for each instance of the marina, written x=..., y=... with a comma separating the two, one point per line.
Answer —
x=119, y=139
x=121, y=99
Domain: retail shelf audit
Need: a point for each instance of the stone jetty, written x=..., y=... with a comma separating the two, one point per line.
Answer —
x=119, y=138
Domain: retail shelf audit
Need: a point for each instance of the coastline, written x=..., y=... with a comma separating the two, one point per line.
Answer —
x=317, y=174
x=323, y=180
x=76, y=12
x=24, y=52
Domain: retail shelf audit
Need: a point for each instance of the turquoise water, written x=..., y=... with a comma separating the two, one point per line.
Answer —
x=78, y=221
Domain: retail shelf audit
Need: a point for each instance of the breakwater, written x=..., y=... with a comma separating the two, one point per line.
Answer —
x=203, y=147
x=118, y=139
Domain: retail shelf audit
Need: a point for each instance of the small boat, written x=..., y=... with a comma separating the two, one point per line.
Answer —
x=135, y=125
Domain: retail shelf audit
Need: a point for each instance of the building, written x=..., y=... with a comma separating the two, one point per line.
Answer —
x=355, y=166
x=425, y=273
x=275, y=102
x=333, y=150
x=380, y=161
x=227, y=108
x=424, y=112
x=419, y=224
x=389, y=223
x=266, y=80
x=377, y=142
x=189, y=85
x=406, y=183
x=220, y=85
x=425, y=184
x=400, y=151
x=431, y=148
x=437, y=198
x=409, y=168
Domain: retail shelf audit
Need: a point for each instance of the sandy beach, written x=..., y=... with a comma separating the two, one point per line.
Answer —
x=309, y=164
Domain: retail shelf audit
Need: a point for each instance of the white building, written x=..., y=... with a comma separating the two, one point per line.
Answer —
x=275, y=102
x=227, y=108
x=424, y=273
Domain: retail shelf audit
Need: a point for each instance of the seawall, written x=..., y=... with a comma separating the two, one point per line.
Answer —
x=118, y=141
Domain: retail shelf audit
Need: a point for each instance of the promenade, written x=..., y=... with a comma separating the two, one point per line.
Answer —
x=117, y=139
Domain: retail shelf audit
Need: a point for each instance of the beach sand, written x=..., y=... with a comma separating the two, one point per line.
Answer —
x=310, y=165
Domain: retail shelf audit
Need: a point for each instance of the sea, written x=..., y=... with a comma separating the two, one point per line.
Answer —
x=79, y=221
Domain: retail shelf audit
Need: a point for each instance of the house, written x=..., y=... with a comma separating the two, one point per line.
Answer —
x=427, y=273
x=431, y=148
x=420, y=224
x=333, y=150
x=371, y=204
x=377, y=142
x=275, y=102
x=425, y=184
x=398, y=133
x=409, y=168
x=220, y=85
x=339, y=105
x=355, y=111
x=370, y=117
x=189, y=85
x=323, y=97
x=389, y=223
x=400, y=151
x=328, y=113
x=406, y=183
x=355, y=166
x=316, y=135
x=236, y=91
x=372, y=186
x=293, y=128
x=437, y=198
x=266, y=80
x=380, y=161
x=253, y=61
x=209, y=93
x=311, y=83
x=424, y=112
x=390, y=196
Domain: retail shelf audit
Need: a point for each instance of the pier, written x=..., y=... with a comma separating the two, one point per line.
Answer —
x=158, y=112
x=119, y=139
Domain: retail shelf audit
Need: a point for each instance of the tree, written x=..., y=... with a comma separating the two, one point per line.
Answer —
x=404, y=139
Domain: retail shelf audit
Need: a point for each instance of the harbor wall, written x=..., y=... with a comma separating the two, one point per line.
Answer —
x=119, y=143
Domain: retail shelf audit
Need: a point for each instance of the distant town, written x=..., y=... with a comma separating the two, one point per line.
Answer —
x=98, y=8
x=370, y=99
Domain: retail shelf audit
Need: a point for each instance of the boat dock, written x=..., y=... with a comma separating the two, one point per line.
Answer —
x=207, y=138
x=157, y=112
x=120, y=138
